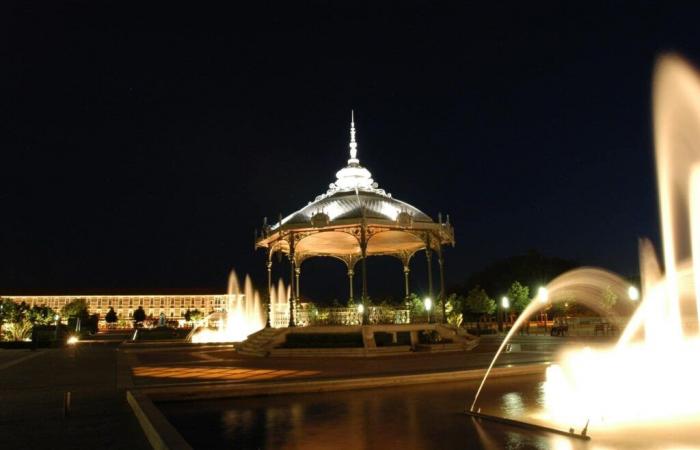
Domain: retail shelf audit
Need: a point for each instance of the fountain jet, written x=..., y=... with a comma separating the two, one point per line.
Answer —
x=651, y=374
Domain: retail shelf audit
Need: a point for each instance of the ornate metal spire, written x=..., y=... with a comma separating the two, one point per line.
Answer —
x=353, y=144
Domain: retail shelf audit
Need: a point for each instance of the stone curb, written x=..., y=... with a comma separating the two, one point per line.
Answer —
x=159, y=432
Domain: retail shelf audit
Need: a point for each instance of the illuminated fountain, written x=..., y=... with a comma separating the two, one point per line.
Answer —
x=651, y=375
x=279, y=305
x=242, y=315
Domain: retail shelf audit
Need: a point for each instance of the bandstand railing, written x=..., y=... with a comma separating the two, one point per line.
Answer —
x=311, y=316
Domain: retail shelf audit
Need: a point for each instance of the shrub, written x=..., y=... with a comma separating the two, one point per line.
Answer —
x=432, y=337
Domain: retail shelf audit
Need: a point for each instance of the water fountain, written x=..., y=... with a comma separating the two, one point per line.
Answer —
x=651, y=374
x=241, y=315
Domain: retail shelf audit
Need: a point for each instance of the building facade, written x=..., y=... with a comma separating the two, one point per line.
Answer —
x=173, y=306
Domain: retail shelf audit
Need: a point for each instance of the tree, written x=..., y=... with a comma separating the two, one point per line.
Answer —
x=75, y=308
x=415, y=306
x=479, y=304
x=196, y=315
x=7, y=311
x=41, y=315
x=111, y=316
x=187, y=315
x=20, y=319
x=519, y=296
x=453, y=310
x=139, y=315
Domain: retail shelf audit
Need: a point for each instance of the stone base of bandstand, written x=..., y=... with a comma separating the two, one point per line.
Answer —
x=269, y=341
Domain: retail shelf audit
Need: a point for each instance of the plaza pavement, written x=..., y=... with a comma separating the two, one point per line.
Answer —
x=31, y=401
x=175, y=366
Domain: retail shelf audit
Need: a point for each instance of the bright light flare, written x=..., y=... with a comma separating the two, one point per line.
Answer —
x=361, y=308
x=636, y=384
x=633, y=293
x=542, y=294
x=505, y=303
x=72, y=340
x=428, y=303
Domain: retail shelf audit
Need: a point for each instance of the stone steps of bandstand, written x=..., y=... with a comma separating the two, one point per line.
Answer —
x=258, y=343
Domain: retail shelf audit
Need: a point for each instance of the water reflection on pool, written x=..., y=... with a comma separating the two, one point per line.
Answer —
x=417, y=417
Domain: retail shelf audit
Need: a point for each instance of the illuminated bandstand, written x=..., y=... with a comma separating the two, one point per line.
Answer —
x=351, y=221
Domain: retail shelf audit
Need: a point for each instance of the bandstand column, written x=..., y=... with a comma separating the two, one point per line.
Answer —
x=292, y=277
x=363, y=248
x=406, y=272
x=351, y=274
x=441, y=265
x=297, y=271
x=268, y=324
x=429, y=260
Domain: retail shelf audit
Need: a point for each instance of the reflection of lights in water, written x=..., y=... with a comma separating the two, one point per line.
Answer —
x=513, y=404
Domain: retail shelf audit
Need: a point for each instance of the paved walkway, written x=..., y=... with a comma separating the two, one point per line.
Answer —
x=31, y=401
x=177, y=366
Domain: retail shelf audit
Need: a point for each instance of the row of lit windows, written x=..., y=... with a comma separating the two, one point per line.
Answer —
x=190, y=302
x=149, y=312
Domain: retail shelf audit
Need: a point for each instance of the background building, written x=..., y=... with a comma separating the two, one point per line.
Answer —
x=173, y=306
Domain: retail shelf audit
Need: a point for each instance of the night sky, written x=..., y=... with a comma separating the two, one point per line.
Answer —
x=142, y=147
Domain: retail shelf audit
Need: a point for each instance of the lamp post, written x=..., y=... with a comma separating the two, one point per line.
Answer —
x=543, y=296
x=428, y=304
x=56, y=319
x=505, y=304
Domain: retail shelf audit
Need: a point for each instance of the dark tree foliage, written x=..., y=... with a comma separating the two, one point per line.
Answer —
x=532, y=270
x=139, y=315
x=75, y=308
x=111, y=316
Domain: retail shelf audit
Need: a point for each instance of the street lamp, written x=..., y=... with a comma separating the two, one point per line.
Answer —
x=361, y=312
x=505, y=304
x=56, y=319
x=428, y=304
x=543, y=296
x=633, y=293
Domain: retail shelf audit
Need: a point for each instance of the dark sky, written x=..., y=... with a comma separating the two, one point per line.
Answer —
x=142, y=147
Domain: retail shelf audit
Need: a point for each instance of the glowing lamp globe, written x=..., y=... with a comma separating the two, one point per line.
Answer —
x=633, y=293
x=505, y=303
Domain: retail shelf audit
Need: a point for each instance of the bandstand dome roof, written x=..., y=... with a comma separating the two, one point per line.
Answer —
x=350, y=205
x=330, y=224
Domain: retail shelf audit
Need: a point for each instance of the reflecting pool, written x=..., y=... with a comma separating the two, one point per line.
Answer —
x=416, y=417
